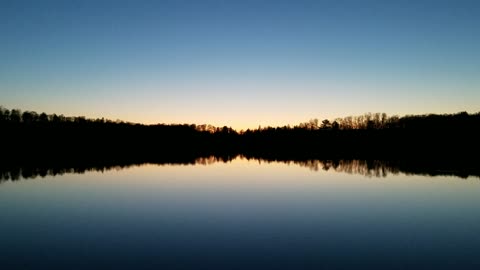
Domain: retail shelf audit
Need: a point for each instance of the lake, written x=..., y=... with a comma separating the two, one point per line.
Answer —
x=240, y=214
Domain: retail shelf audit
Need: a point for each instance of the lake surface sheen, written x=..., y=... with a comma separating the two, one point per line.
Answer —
x=242, y=214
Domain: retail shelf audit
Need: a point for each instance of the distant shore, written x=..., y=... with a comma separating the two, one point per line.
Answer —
x=433, y=143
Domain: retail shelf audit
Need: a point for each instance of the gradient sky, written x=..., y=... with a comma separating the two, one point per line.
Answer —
x=239, y=63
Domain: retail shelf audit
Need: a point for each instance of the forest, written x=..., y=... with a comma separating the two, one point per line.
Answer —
x=36, y=138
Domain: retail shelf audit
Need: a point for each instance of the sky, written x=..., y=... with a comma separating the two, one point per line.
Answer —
x=239, y=63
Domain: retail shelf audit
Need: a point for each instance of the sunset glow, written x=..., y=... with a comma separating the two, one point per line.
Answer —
x=239, y=63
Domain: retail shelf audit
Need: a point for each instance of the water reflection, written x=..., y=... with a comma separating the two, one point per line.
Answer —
x=238, y=213
x=368, y=168
x=371, y=168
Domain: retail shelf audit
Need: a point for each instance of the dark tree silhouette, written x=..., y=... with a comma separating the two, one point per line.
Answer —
x=32, y=138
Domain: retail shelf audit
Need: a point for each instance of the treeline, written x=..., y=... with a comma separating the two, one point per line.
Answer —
x=368, y=121
x=15, y=117
x=30, y=136
x=376, y=121
x=370, y=136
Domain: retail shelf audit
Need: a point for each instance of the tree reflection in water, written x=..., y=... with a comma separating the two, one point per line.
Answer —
x=368, y=168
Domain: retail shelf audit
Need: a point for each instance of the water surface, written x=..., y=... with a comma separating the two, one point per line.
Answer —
x=242, y=214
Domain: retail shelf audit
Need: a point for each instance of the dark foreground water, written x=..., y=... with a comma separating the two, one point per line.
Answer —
x=240, y=215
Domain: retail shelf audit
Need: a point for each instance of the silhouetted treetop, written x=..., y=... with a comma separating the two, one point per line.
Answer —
x=366, y=121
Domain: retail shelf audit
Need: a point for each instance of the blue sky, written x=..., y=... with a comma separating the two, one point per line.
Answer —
x=239, y=63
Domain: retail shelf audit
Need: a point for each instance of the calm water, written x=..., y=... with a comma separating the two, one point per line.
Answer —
x=239, y=215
